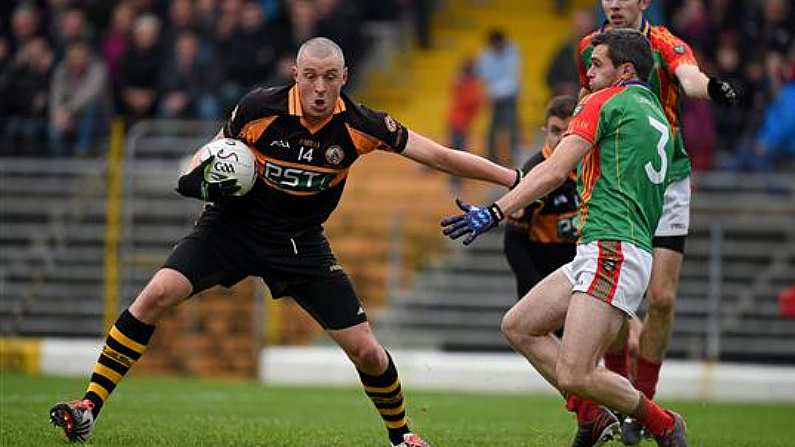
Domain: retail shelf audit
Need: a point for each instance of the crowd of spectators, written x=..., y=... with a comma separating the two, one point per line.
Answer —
x=68, y=66
x=748, y=42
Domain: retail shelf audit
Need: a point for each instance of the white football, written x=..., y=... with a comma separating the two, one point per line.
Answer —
x=233, y=159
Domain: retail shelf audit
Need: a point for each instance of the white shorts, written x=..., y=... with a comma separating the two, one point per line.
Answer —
x=612, y=271
x=675, y=217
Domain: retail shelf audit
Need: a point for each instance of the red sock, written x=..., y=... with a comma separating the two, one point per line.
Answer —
x=586, y=410
x=653, y=417
x=573, y=402
x=617, y=361
x=646, y=376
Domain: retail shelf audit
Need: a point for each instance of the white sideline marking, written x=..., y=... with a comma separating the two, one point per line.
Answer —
x=507, y=372
x=474, y=372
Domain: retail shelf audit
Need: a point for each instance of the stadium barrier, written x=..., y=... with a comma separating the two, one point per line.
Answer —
x=434, y=370
x=510, y=373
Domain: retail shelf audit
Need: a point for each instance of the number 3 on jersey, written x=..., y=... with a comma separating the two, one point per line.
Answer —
x=658, y=177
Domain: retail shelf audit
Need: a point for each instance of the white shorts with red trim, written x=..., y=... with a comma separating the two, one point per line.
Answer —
x=612, y=271
x=675, y=217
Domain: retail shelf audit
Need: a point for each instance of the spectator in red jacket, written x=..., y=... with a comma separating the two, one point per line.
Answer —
x=467, y=99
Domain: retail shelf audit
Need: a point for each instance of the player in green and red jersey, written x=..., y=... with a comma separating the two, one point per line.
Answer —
x=622, y=146
x=675, y=74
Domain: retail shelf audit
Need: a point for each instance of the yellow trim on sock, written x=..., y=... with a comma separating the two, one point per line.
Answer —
x=117, y=357
x=391, y=411
x=382, y=389
x=396, y=424
x=126, y=341
x=103, y=370
x=99, y=390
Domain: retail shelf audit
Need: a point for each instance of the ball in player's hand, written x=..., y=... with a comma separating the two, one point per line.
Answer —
x=232, y=159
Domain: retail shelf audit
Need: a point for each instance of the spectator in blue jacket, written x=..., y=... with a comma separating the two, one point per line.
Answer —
x=776, y=138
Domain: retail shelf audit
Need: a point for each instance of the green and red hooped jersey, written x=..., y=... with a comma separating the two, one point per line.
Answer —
x=669, y=52
x=622, y=179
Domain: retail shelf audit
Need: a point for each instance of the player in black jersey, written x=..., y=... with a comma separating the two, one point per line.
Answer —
x=541, y=237
x=305, y=136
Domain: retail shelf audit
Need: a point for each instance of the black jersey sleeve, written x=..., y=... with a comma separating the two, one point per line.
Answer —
x=258, y=104
x=532, y=162
x=529, y=210
x=371, y=130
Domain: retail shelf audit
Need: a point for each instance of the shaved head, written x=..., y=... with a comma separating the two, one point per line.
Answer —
x=319, y=74
x=320, y=48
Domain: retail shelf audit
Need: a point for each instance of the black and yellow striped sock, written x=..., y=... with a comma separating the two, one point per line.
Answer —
x=125, y=344
x=385, y=392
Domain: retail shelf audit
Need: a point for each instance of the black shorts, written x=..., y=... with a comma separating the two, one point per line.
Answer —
x=675, y=243
x=302, y=267
x=532, y=261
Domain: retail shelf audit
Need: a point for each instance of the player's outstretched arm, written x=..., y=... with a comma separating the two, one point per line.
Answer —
x=459, y=163
x=698, y=85
x=547, y=175
x=541, y=180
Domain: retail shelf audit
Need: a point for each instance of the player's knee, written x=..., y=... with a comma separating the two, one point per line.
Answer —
x=570, y=379
x=517, y=329
x=511, y=327
x=661, y=300
x=157, y=297
x=368, y=356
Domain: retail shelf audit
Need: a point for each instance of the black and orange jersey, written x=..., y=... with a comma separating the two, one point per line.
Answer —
x=302, y=167
x=551, y=219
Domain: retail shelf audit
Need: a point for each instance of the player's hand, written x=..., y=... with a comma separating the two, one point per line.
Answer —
x=474, y=222
x=721, y=92
x=194, y=184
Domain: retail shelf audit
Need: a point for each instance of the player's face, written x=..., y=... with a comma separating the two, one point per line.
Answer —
x=624, y=13
x=602, y=73
x=554, y=129
x=319, y=82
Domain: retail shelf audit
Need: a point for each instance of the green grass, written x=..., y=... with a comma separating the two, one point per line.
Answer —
x=188, y=412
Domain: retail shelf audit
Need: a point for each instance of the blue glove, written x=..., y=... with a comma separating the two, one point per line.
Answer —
x=475, y=221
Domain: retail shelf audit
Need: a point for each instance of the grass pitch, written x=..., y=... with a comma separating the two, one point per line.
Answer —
x=189, y=412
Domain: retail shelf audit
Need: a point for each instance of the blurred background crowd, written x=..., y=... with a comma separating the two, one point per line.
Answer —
x=68, y=66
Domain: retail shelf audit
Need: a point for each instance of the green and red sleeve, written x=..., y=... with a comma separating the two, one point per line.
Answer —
x=587, y=116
